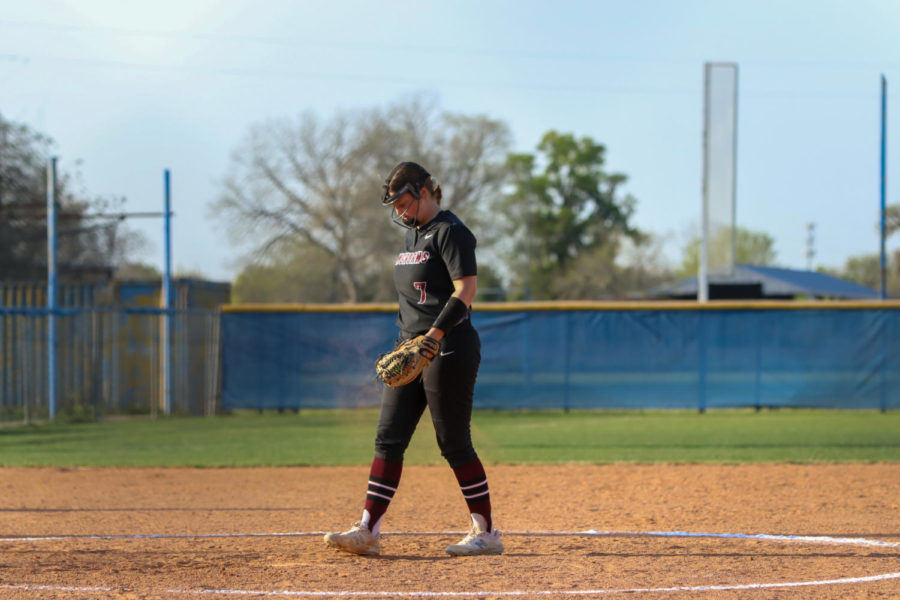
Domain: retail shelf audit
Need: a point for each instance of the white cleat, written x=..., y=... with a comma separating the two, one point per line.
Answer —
x=477, y=543
x=357, y=540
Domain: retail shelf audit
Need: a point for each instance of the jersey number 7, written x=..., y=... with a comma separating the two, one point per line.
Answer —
x=420, y=285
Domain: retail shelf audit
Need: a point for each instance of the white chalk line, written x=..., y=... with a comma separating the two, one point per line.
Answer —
x=427, y=594
x=805, y=539
x=504, y=593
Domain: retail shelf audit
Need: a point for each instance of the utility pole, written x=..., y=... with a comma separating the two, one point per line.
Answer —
x=810, y=245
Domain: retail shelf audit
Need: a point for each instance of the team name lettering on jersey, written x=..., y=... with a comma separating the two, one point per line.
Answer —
x=413, y=258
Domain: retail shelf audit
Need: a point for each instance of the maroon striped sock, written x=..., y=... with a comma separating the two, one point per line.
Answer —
x=384, y=477
x=474, y=486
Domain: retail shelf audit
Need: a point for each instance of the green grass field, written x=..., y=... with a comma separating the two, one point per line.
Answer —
x=333, y=437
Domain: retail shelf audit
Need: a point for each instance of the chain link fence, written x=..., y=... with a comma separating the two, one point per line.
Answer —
x=109, y=362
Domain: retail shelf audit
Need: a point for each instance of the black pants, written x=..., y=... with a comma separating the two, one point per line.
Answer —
x=447, y=388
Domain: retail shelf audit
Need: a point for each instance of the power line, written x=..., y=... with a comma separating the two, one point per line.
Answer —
x=447, y=50
x=462, y=83
x=331, y=43
x=355, y=77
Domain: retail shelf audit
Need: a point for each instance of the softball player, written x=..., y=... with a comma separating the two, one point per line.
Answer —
x=436, y=279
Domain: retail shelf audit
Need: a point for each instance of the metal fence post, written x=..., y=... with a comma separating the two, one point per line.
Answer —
x=51, y=287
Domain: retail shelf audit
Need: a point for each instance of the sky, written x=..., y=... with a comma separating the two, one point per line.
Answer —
x=129, y=89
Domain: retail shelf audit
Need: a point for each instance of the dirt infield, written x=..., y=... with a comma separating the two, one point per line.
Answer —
x=540, y=509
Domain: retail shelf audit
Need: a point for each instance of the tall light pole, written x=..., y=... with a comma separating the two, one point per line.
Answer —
x=51, y=287
x=883, y=255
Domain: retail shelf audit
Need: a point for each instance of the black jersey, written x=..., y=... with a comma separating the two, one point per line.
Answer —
x=433, y=256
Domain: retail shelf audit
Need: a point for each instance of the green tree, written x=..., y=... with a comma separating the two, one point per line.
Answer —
x=564, y=213
x=865, y=269
x=892, y=219
x=490, y=284
x=630, y=269
x=138, y=270
x=751, y=248
x=302, y=273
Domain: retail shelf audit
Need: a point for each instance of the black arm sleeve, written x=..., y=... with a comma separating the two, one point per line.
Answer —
x=454, y=312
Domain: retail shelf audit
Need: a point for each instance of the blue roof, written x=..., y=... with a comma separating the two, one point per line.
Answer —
x=814, y=283
x=780, y=282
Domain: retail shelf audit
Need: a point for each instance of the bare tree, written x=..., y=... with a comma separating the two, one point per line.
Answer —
x=316, y=183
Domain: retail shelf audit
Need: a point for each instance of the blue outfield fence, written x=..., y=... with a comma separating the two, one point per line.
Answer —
x=675, y=355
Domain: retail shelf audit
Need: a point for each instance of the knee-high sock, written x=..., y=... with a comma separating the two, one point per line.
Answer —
x=474, y=486
x=384, y=477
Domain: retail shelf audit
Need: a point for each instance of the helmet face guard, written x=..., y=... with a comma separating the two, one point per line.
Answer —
x=415, y=189
x=389, y=199
x=402, y=220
